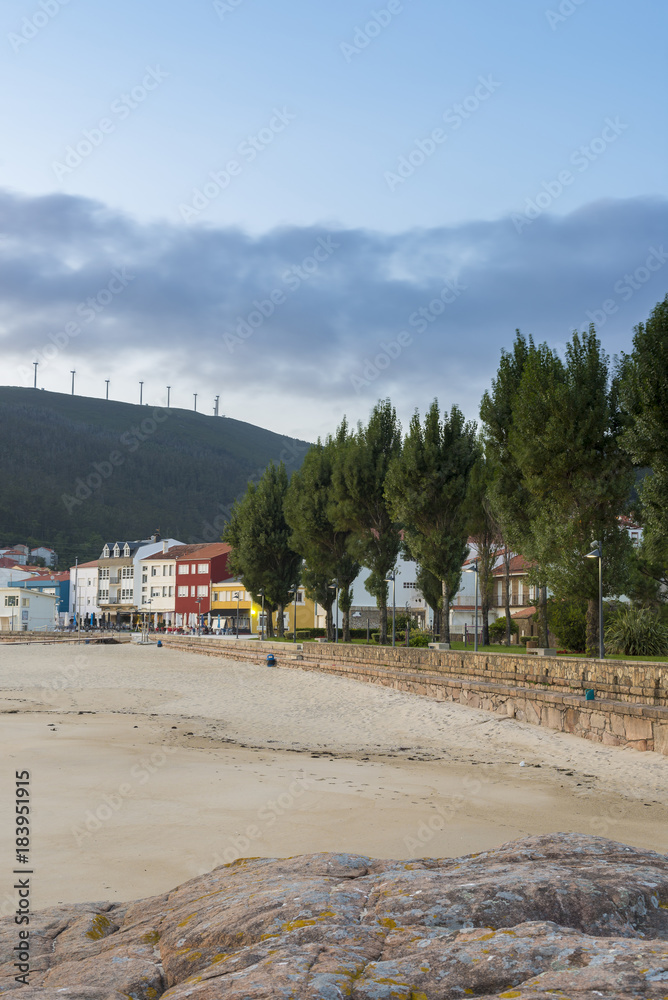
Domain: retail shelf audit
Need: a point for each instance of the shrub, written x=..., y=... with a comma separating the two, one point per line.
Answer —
x=421, y=639
x=636, y=632
x=567, y=620
x=497, y=630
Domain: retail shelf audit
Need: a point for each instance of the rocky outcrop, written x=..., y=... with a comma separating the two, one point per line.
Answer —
x=547, y=917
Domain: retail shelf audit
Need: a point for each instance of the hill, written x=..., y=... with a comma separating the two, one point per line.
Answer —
x=76, y=471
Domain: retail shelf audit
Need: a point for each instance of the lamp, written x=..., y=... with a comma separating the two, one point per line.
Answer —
x=597, y=553
x=474, y=569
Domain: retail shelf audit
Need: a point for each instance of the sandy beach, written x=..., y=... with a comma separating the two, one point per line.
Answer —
x=149, y=766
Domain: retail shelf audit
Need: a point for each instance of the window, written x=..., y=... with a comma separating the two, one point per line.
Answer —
x=183, y=568
x=202, y=591
x=155, y=591
x=25, y=602
x=104, y=573
x=202, y=567
x=164, y=571
x=117, y=551
x=410, y=586
x=127, y=595
x=215, y=596
x=104, y=595
x=171, y=592
x=89, y=583
x=171, y=569
x=11, y=602
x=192, y=591
x=105, y=553
x=182, y=591
x=144, y=578
x=126, y=550
x=164, y=591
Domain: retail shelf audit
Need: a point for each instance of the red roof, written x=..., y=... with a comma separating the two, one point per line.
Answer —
x=206, y=550
x=88, y=565
x=518, y=564
x=524, y=613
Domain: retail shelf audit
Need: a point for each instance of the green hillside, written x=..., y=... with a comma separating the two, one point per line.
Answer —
x=76, y=471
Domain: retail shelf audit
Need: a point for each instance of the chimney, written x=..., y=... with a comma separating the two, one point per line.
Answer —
x=165, y=545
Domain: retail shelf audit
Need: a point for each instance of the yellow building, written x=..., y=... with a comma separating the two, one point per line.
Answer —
x=230, y=598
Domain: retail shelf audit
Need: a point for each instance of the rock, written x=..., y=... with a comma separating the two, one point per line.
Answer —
x=545, y=917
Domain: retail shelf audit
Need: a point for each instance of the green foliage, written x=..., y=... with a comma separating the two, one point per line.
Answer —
x=644, y=392
x=420, y=639
x=260, y=538
x=568, y=622
x=636, y=631
x=180, y=474
x=497, y=630
x=426, y=490
x=358, y=498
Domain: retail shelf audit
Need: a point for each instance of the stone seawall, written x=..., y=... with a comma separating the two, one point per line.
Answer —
x=631, y=698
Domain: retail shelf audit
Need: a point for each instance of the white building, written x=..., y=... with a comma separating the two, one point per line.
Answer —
x=48, y=555
x=26, y=610
x=407, y=597
x=84, y=588
x=157, y=592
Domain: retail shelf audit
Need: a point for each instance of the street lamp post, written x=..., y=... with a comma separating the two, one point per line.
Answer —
x=73, y=373
x=597, y=553
x=335, y=587
x=392, y=578
x=199, y=613
x=262, y=620
x=107, y=384
x=141, y=393
x=237, y=595
x=475, y=570
x=145, y=629
x=35, y=363
x=295, y=590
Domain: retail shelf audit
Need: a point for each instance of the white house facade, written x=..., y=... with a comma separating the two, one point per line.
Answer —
x=26, y=610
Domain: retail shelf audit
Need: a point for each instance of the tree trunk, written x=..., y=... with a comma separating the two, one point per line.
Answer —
x=382, y=608
x=592, y=627
x=345, y=625
x=437, y=623
x=445, y=613
x=280, y=623
x=330, y=623
x=269, y=628
x=543, y=636
x=509, y=620
x=484, y=608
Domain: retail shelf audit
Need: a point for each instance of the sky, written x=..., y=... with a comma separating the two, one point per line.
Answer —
x=307, y=206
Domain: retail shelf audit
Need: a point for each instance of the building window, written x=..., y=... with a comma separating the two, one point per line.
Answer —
x=192, y=591
x=25, y=602
x=126, y=550
x=104, y=573
x=164, y=591
x=117, y=552
x=216, y=596
x=105, y=553
x=182, y=591
x=155, y=591
x=11, y=602
x=154, y=570
x=164, y=571
x=171, y=570
x=202, y=591
x=171, y=592
x=144, y=578
x=202, y=567
x=184, y=569
x=126, y=595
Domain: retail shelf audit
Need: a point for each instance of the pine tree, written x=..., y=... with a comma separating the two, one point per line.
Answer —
x=484, y=531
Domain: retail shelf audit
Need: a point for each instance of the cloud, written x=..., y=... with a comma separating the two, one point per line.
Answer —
x=297, y=315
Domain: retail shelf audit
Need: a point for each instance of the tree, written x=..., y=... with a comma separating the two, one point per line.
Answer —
x=358, y=502
x=644, y=391
x=484, y=530
x=260, y=538
x=565, y=440
x=509, y=497
x=432, y=590
x=308, y=510
x=426, y=490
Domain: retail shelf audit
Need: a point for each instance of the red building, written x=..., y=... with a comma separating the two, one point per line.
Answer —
x=196, y=569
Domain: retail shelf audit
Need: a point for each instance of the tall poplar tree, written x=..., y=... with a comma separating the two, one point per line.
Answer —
x=259, y=534
x=308, y=510
x=426, y=490
x=565, y=440
x=358, y=499
x=484, y=532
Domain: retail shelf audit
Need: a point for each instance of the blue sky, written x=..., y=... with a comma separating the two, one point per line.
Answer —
x=513, y=154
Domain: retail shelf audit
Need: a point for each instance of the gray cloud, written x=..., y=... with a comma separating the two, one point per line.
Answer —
x=189, y=291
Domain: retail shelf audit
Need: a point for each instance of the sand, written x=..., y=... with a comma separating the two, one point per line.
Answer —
x=149, y=766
